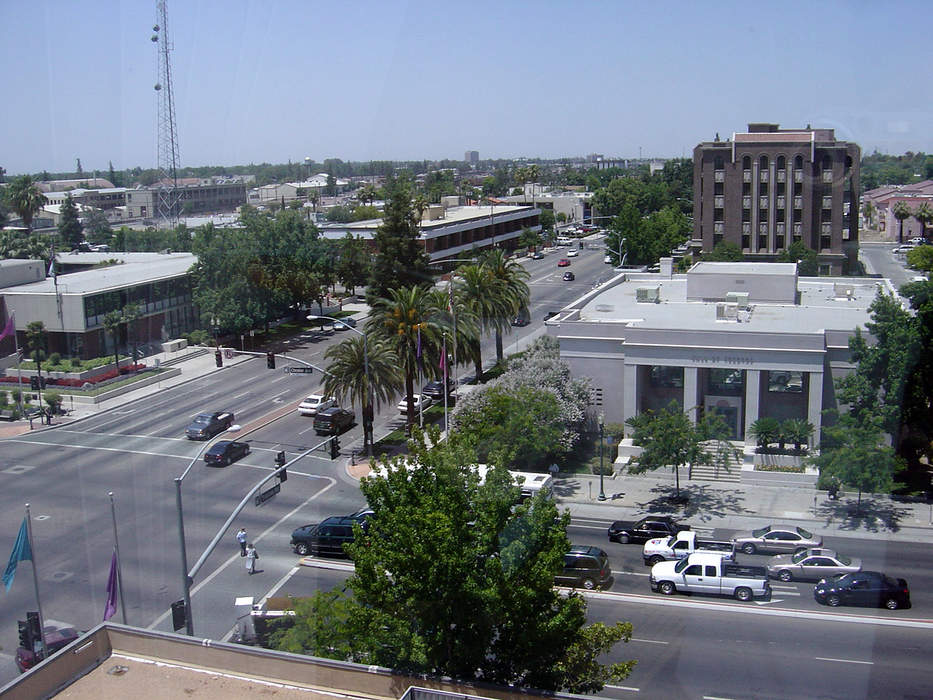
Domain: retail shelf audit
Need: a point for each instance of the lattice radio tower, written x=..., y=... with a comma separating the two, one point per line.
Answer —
x=168, y=195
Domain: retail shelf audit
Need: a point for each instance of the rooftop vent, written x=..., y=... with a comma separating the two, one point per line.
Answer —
x=726, y=311
x=740, y=299
x=843, y=291
x=648, y=295
x=605, y=308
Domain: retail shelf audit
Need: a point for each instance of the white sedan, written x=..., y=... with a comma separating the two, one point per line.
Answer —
x=420, y=401
x=572, y=253
x=314, y=403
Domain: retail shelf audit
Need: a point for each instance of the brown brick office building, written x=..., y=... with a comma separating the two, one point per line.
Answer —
x=768, y=187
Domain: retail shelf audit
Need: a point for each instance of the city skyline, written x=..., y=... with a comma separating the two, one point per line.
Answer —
x=409, y=81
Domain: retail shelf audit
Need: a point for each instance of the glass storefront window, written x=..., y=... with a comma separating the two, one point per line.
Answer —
x=785, y=381
x=667, y=376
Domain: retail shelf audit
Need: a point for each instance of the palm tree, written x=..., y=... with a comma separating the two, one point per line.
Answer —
x=924, y=214
x=901, y=211
x=511, y=292
x=112, y=322
x=474, y=289
x=400, y=319
x=348, y=378
x=868, y=211
x=25, y=199
x=38, y=344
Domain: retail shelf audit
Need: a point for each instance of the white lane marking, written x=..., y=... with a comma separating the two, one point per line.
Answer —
x=235, y=558
x=844, y=661
x=240, y=396
x=649, y=641
x=123, y=435
x=302, y=432
x=624, y=687
x=104, y=449
x=714, y=697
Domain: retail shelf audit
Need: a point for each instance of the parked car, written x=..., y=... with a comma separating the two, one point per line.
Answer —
x=522, y=319
x=608, y=259
x=344, y=323
x=584, y=567
x=682, y=545
x=224, y=452
x=333, y=421
x=871, y=588
x=56, y=638
x=314, y=403
x=812, y=565
x=568, y=276
x=420, y=401
x=537, y=255
x=435, y=390
x=640, y=531
x=328, y=537
x=563, y=262
x=572, y=253
x=204, y=426
x=777, y=538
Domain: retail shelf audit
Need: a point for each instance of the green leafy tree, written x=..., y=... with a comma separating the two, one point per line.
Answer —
x=348, y=378
x=366, y=193
x=400, y=260
x=353, y=263
x=97, y=228
x=853, y=452
x=901, y=212
x=69, y=227
x=924, y=214
x=921, y=258
x=869, y=210
x=725, y=251
x=668, y=438
x=452, y=579
x=797, y=431
x=806, y=258
x=24, y=197
x=529, y=239
x=546, y=219
x=23, y=246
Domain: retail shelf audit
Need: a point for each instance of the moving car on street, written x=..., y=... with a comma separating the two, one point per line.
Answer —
x=333, y=421
x=573, y=252
x=811, y=565
x=435, y=390
x=870, y=588
x=640, y=531
x=569, y=277
x=224, y=452
x=314, y=403
x=563, y=262
x=204, y=426
x=711, y=574
x=777, y=538
x=328, y=537
x=419, y=400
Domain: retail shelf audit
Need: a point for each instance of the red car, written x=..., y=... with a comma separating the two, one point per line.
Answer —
x=563, y=262
x=56, y=638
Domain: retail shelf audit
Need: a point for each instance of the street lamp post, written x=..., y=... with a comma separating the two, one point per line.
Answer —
x=186, y=580
x=602, y=493
x=368, y=409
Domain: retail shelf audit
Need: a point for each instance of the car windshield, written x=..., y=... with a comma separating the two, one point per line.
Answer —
x=201, y=419
x=803, y=533
x=762, y=532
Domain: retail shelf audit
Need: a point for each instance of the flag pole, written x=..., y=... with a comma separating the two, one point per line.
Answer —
x=19, y=374
x=35, y=580
x=116, y=546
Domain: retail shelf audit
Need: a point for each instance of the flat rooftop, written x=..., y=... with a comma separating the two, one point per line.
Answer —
x=136, y=268
x=453, y=215
x=823, y=305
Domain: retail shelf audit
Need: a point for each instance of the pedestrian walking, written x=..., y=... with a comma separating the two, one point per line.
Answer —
x=251, y=556
x=241, y=538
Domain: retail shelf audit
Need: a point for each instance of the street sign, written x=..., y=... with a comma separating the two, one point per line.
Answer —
x=267, y=494
x=299, y=370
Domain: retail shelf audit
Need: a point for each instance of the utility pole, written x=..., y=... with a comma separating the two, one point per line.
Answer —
x=168, y=195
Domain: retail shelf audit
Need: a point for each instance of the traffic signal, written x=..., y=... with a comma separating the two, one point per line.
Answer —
x=280, y=462
x=270, y=360
x=34, y=383
x=25, y=634
x=179, y=617
x=218, y=358
x=334, y=447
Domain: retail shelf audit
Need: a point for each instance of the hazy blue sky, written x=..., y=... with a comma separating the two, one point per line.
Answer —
x=277, y=80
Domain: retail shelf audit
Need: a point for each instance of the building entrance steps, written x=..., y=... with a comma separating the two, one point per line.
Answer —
x=713, y=472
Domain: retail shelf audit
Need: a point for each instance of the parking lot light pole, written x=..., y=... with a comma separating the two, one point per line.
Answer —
x=186, y=580
x=602, y=493
x=368, y=409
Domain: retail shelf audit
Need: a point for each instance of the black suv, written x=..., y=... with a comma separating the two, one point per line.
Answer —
x=333, y=421
x=204, y=426
x=584, y=567
x=328, y=537
x=436, y=389
x=625, y=531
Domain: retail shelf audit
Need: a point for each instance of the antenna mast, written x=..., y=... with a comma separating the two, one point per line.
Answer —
x=167, y=192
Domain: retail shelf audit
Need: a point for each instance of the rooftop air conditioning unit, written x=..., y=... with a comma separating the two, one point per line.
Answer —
x=740, y=299
x=726, y=311
x=648, y=295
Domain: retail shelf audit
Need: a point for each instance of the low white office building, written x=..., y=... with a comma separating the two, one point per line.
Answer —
x=746, y=340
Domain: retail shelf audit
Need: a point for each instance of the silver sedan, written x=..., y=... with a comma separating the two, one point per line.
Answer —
x=777, y=538
x=812, y=565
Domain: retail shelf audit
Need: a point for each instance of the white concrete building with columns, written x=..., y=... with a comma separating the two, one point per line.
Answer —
x=746, y=340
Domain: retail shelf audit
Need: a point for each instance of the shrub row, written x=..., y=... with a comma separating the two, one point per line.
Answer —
x=789, y=468
x=109, y=374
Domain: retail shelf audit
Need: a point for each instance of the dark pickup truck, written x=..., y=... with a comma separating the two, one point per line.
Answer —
x=640, y=531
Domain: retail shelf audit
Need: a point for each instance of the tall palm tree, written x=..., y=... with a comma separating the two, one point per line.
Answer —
x=24, y=197
x=901, y=211
x=512, y=294
x=924, y=214
x=475, y=290
x=348, y=377
x=401, y=318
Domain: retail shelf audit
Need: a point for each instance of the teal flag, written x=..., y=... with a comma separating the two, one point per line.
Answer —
x=21, y=552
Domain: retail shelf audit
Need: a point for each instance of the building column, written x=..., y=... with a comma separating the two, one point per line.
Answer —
x=752, y=395
x=691, y=396
x=815, y=405
x=630, y=392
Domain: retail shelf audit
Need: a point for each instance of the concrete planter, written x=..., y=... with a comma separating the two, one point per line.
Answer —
x=779, y=460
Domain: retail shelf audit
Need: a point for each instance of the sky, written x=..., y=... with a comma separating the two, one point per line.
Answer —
x=259, y=81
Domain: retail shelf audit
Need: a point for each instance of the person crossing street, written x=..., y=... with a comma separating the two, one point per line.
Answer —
x=251, y=556
x=241, y=538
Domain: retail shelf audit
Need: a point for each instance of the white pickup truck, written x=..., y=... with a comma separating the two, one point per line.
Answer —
x=711, y=574
x=681, y=545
